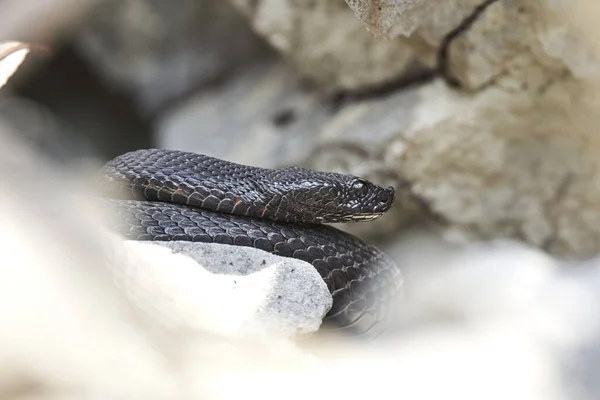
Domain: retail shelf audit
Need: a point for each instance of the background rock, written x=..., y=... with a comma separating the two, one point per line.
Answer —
x=505, y=166
x=325, y=42
x=262, y=116
x=161, y=51
x=513, y=115
x=508, y=154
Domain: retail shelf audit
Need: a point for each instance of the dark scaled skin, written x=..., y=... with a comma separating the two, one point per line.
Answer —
x=289, y=194
x=362, y=280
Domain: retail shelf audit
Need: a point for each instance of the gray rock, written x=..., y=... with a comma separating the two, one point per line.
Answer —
x=158, y=51
x=296, y=297
x=580, y=359
x=262, y=116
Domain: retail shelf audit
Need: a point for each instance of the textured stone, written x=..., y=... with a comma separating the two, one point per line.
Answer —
x=473, y=43
x=326, y=43
x=501, y=47
x=568, y=31
x=501, y=164
x=392, y=18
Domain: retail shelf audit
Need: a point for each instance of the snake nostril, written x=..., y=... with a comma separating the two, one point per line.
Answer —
x=386, y=197
x=383, y=197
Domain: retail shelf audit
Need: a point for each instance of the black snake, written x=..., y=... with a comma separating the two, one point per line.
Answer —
x=174, y=195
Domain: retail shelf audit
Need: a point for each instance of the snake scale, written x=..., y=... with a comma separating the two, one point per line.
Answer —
x=174, y=195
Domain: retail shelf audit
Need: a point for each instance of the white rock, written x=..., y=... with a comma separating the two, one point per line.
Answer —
x=480, y=280
x=230, y=290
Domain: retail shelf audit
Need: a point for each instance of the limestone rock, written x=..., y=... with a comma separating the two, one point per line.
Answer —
x=473, y=43
x=514, y=165
x=392, y=18
x=326, y=43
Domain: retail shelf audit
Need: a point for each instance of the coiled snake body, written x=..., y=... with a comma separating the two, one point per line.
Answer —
x=175, y=195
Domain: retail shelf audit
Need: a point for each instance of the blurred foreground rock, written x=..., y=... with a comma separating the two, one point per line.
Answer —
x=228, y=289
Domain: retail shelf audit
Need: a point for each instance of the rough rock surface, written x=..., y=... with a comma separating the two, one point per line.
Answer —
x=230, y=289
x=473, y=43
x=388, y=18
x=326, y=43
x=503, y=164
x=518, y=44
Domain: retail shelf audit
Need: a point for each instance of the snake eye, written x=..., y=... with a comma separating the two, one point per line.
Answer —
x=360, y=188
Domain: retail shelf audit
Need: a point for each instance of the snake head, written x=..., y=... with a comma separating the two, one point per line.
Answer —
x=327, y=197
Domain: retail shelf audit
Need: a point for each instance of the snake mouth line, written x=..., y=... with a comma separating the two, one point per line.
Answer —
x=350, y=218
x=336, y=218
x=361, y=217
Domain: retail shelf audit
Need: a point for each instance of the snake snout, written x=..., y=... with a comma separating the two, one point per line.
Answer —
x=385, y=199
